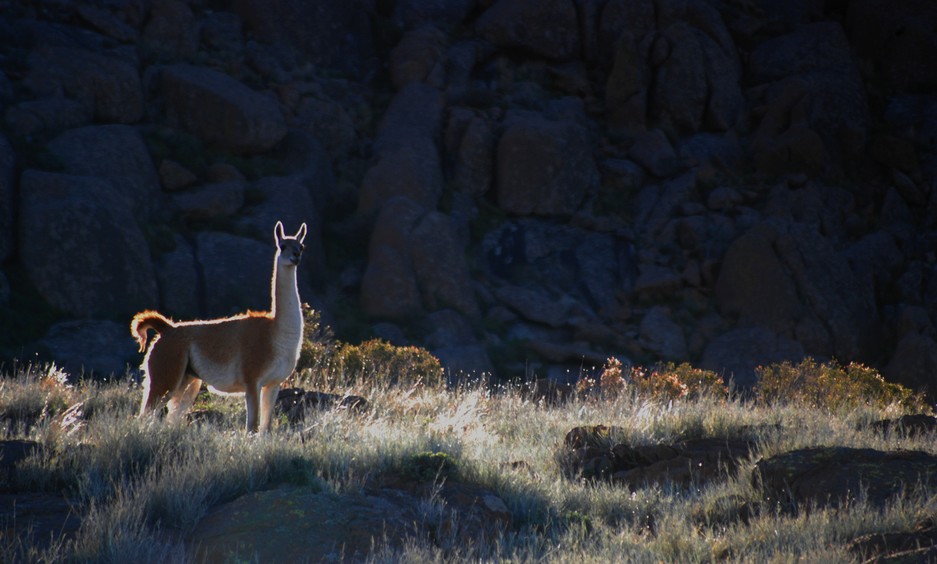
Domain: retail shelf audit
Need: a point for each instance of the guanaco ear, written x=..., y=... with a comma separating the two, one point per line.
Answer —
x=278, y=234
x=301, y=234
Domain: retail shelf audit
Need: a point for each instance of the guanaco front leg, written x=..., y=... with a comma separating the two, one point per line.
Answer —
x=252, y=395
x=268, y=399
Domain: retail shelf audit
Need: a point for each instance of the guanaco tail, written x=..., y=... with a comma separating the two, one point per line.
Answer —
x=250, y=353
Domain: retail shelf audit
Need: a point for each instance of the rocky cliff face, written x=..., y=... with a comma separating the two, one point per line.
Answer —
x=520, y=185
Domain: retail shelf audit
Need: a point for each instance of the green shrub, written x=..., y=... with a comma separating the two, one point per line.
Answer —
x=426, y=466
x=377, y=362
x=832, y=386
x=318, y=340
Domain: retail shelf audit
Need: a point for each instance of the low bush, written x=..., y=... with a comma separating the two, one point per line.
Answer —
x=334, y=365
x=664, y=382
x=377, y=362
x=833, y=387
x=671, y=381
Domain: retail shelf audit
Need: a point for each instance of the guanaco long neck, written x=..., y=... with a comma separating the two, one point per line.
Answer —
x=284, y=306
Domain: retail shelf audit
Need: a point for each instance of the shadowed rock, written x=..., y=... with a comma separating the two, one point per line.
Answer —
x=107, y=86
x=116, y=153
x=547, y=28
x=597, y=453
x=916, y=545
x=221, y=110
x=837, y=475
x=912, y=425
x=543, y=167
x=11, y=453
x=87, y=256
x=293, y=403
x=7, y=161
x=38, y=519
x=344, y=527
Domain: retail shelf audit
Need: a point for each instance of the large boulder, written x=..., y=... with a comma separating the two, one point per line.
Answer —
x=116, y=153
x=662, y=336
x=547, y=28
x=680, y=94
x=389, y=288
x=32, y=117
x=475, y=156
x=321, y=32
x=172, y=29
x=407, y=159
x=464, y=364
x=543, y=166
x=220, y=110
x=414, y=113
x=736, y=353
x=415, y=261
x=784, y=14
x=535, y=305
x=900, y=38
x=237, y=272
x=815, y=85
x=107, y=22
x=81, y=246
x=686, y=77
x=533, y=254
x=331, y=124
x=653, y=151
x=86, y=346
x=618, y=18
x=108, y=86
x=444, y=13
x=420, y=56
x=626, y=89
x=7, y=177
x=210, y=202
x=178, y=277
x=626, y=34
x=305, y=159
x=914, y=362
x=439, y=261
x=787, y=277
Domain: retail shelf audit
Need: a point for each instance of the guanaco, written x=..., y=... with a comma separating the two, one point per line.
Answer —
x=250, y=353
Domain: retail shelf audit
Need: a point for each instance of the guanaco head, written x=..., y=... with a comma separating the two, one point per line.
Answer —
x=289, y=248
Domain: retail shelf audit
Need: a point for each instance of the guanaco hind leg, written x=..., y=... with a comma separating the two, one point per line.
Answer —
x=183, y=397
x=165, y=369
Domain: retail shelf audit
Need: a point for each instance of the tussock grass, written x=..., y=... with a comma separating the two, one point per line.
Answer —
x=143, y=484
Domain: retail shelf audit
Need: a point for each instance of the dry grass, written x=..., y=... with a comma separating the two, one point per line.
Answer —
x=144, y=484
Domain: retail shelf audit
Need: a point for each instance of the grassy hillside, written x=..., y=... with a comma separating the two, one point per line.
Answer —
x=141, y=486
